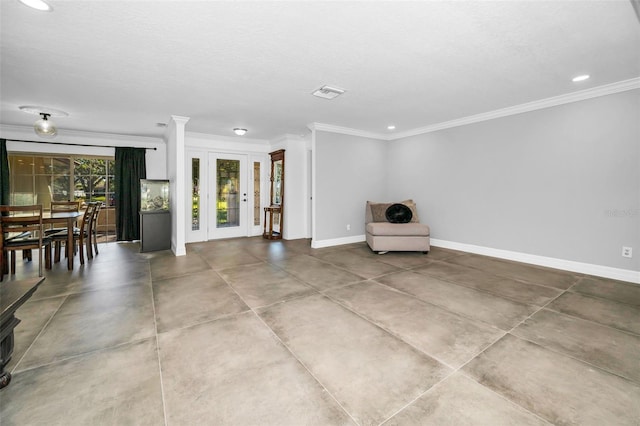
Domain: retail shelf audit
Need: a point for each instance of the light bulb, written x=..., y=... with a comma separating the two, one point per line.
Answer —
x=44, y=127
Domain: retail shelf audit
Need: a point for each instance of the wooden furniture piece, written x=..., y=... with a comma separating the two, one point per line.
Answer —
x=12, y=295
x=274, y=214
x=60, y=207
x=70, y=218
x=23, y=221
x=81, y=234
x=94, y=226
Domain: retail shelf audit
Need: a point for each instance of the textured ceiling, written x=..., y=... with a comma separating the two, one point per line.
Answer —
x=123, y=66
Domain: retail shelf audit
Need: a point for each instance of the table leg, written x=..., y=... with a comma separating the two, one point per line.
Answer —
x=70, y=224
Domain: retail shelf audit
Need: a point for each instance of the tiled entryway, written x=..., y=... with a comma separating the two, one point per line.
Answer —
x=256, y=332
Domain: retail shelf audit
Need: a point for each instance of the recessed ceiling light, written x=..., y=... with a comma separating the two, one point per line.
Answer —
x=37, y=4
x=240, y=132
x=391, y=127
x=582, y=77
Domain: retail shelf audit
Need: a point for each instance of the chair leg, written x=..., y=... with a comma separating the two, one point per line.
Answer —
x=88, y=243
x=81, y=249
x=56, y=256
x=47, y=256
x=89, y=247
x=13, y=262
x=3, y=264
x=95, y=242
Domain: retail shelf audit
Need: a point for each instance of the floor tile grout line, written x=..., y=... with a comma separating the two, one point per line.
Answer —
x=44, y=327
x=82, y=354
x=582, y=361
x=458, y=283
x=503, y=277
x=445, y=307
x=460, y=371
x=631, y=333
x=525, y=409
x=538, y=310
x=389, y=332
x=155, y=329
x=275, y=335
x=563, y=353
x=454, y=370
x=577, y=275
x=597, y=297
x=404, y=407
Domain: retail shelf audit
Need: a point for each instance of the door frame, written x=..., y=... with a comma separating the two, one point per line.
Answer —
x=202, y=234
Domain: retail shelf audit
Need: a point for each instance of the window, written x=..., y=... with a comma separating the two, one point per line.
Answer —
x=40, y=179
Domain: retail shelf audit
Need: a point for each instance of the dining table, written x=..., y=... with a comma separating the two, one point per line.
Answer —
x=70, y=218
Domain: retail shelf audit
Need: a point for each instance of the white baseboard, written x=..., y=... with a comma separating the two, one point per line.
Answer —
x=337, y=241
x=177, y=252
x=550, y=262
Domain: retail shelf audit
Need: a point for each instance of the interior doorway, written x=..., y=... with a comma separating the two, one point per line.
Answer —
x=228, y=192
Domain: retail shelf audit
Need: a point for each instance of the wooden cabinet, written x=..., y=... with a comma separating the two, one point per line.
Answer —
x=274, y=213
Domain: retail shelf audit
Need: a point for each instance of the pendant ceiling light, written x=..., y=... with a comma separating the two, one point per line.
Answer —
x=44, y=127
x=239, y=132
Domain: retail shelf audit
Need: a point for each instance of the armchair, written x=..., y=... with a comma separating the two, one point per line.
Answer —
x=383, y=236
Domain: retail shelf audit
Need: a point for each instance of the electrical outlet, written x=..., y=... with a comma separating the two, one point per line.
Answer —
x=348, y=227
x=627, y=251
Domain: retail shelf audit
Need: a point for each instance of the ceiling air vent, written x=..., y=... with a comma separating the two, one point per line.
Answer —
x=328, y=92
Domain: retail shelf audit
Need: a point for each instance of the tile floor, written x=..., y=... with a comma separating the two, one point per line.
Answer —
x=256, y=332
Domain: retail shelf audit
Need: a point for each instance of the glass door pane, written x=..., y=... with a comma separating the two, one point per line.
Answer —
x=195, y=194
x=229, y=215
x=227, y=199
x=256, y=193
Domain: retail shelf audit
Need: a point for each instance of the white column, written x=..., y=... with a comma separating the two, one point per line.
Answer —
x=177, y=179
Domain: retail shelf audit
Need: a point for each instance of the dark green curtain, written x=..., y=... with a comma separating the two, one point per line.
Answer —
x=130, y=168
x=4, y=173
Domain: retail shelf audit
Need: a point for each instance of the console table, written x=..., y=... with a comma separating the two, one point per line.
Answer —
x=13, y=294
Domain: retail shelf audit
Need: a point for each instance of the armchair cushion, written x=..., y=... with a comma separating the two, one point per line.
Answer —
x=398, y=229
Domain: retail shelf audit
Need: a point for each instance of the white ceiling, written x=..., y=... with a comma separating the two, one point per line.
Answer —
x=123, y=66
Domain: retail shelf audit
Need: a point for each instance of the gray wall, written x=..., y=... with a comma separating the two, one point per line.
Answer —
x=563, y=182
x=349, y=170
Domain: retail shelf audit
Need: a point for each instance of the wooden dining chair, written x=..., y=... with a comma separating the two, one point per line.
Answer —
x=94, y=226
x=22, y=230
x=81, y=235
x=60, y=207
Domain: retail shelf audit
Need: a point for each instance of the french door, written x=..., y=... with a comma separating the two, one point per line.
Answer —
x=228, y=196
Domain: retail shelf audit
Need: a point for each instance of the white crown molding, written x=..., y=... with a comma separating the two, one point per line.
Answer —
x=225, y=138
x=581, y=95
x=594, y=92
x=549, y=262
x=286, y=138
x=346, y=131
